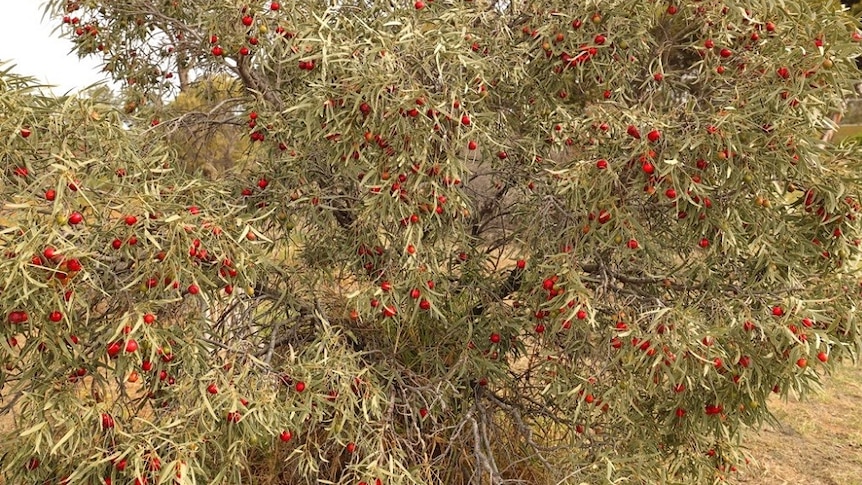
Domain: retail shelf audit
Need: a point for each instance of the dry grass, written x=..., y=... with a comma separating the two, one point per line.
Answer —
x=819, y=441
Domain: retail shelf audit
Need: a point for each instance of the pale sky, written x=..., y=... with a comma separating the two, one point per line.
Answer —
x=28, y=43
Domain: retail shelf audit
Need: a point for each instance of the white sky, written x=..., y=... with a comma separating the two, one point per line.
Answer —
x=26, y=42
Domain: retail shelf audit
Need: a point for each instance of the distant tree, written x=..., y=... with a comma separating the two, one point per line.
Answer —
x=470, y=241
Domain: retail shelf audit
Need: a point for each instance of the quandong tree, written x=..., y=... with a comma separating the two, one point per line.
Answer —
x=471, y=241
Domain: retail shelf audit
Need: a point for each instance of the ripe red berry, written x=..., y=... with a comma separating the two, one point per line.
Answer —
x=299, y=386
x=822, y=357
x=419, y=5
x=654, y=136
x=131, y=220
x=285, y=436
x=75, y=218
x=247, y=20
x=494, y=338
x=633, y=132
x=212, y=389
x=777, y=311
x=50, y=194
x=274, y=6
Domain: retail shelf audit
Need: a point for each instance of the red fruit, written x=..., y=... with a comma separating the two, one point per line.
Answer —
x=770, y=27
x=725, y=53
x=777, y=311
x=262, y=183
x=801, y=363
x=149, y=318
x=212, y=389
x=107, y=421
x=285, y=436
x=704, y=243
x=274, y=6
x=351, y=447
x=601, y=164
x=55, y=316
x=599, y=39
x=300, y=386
x=217, y=51
x=75, y=218
x=604, y=216
x=632, y=244
x=654, y=136
x=680, y=412
x=121, y=465
x=670, y=193
x=18, y=317
x=709, y=44
x=389, y=311
x=423, y=412
x=25, y=132
x=194, y=289
x=74, y=265
x=521, y=264
x=633, y=132
x=50, y=194
x=33, y=464
x=414, y=293
x=745, y=361
x=472, y=145
x=712, y=409
x=247, y=20
x=783, y=72
x=243, y=51
x=648, y=168
x=131, y=346
x=465, y=120
x=672, y=9
x=114, y=349
x=419, y=5
x=495, y=338
x=131, y=220
x=213, y=39
x=822, y=357
x=146, y=366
